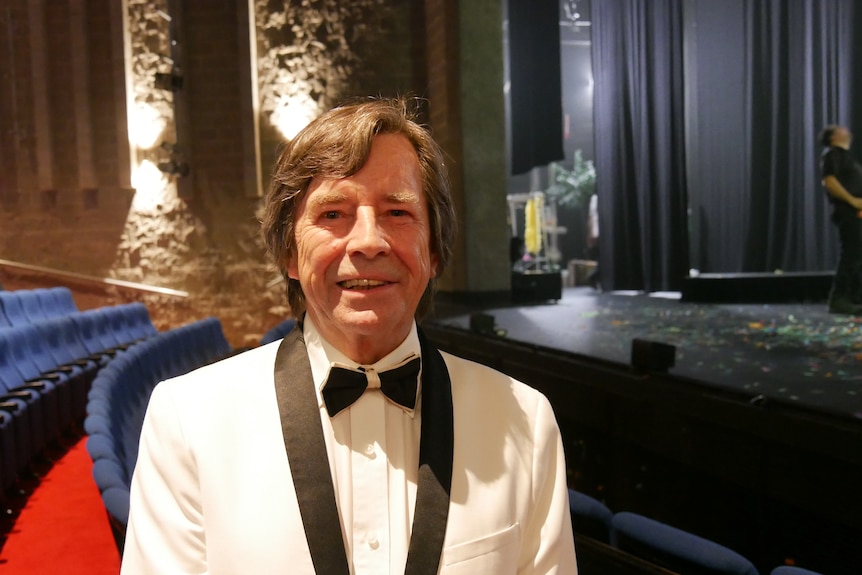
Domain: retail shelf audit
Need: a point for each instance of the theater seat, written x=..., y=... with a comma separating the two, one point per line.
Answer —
x=64, y=303
x=676, y=549
x=118, y=401
x=8, y=461
x=592, y=518
x=31, y=304
x=10, y=301
x=278, y=331
x=791, y=570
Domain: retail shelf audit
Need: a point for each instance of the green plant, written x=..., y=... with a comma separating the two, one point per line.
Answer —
x=575, y=186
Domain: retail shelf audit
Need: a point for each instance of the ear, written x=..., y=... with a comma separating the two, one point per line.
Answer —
x=434, y=264
x=291, y=266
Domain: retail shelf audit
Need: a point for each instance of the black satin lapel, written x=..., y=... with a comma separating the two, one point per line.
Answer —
x=306, y=453
x=436, y=448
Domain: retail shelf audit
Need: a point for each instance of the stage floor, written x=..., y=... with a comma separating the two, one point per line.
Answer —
x=790, y=353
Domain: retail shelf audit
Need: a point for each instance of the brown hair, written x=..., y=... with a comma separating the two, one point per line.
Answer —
x=336, y=145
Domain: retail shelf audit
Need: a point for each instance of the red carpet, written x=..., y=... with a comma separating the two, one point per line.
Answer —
x=63, y=527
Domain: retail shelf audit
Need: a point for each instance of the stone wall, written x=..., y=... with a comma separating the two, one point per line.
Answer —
x=65, y=196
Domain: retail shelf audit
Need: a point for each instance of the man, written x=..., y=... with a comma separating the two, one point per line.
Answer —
x=255, y=465
x=842, y=179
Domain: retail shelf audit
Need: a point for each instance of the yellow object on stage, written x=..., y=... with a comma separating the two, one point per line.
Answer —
x=533, y=224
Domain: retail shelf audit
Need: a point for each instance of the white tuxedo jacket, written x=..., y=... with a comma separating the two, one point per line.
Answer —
x=212, y=491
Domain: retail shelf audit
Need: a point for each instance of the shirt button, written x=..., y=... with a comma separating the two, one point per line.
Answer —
x=369, y=450
x=373, y=542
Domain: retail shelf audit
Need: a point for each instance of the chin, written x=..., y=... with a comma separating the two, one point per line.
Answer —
x=370, y=322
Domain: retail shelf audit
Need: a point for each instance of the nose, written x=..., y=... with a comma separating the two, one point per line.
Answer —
x=367, y=237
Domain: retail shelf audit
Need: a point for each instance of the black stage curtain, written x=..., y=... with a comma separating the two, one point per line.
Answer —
x=800, y=73
x=770, y=74
x=535, y=93
x=639, y=143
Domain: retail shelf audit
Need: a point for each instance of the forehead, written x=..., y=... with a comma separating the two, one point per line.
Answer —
x=391, y=170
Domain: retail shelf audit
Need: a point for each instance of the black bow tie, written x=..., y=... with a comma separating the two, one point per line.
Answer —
x=344, y=385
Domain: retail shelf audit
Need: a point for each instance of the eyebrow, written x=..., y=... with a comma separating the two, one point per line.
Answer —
x=329, y=198
x=403, y=198
x=335, y=197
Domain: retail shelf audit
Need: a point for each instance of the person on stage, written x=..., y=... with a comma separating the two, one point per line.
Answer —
x=842, y=179
x=352, y=446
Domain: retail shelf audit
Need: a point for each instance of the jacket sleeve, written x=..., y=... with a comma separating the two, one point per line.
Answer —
x=548, y=544
x=165, y=533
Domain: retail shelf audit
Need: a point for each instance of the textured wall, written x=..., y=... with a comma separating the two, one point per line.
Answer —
x=65, y=201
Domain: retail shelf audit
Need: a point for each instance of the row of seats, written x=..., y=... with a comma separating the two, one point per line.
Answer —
x=21, y=307
x=278, y=331
x=658, y=543
x=118, y=400
x=46, y=368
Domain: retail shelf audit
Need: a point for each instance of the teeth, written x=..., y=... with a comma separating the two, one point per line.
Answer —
x=361, y=284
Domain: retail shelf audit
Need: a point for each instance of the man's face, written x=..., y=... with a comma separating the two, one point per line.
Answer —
x=363, y=253
x=842, y=137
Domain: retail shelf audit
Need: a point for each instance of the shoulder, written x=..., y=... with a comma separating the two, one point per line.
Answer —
x=245, y=374
x=224, y=403
x=481, y=387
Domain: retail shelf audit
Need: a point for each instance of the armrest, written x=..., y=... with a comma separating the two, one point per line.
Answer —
x=55, y=377
x=10, y=406
x=34, y=385
x=17, y=394
x=66, y=368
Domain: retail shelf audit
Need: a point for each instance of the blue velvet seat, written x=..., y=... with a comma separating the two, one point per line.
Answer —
x=47, y=303
x=24, y=389
x=278, y=331
x=7, y=452
x=12, y=309
x=119, y=397
x=40, y=371
x=592, y=518
x=69, y=357
x=676, y=549
x=140, y=323
x=4, y=321
x=792, y=570
x=87, y=325
x=32, y=305
x=64, y=303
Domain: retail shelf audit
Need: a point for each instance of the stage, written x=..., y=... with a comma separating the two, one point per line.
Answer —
x=753, y=437
x=791, y=353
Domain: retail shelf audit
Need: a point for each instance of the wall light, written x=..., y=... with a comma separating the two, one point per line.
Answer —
x=293, y=114
x=146, y=125
x=150, y=186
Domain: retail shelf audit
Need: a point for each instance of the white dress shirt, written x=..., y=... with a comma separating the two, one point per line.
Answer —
x=373, y=449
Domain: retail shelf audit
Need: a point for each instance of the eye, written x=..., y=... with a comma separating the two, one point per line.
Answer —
x=330, y=215
x=399, y=213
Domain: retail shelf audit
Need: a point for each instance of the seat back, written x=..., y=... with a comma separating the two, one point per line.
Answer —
x=676, y=549
x=12, y=308
x=140, y=323
x=64, y=303
x=592, y=518
x=87, y=326
x=47, y=302
x=792, y=570
x=119, y=397
x=278, y=331
x=32, y=305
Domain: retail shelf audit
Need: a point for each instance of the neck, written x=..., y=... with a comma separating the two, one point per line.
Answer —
x=364, y=349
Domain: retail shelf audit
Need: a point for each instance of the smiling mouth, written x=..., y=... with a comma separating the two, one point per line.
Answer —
x=361, y=284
